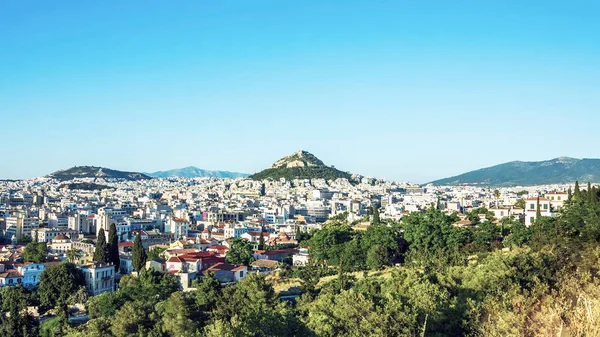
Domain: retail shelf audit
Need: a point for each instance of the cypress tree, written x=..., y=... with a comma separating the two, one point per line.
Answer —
x=589, y=192
x=113, y=247
x=375, y=215
x=577, y=192
x=261, y=241
x=538, y=212
x=437, y=205
x=570, y=194
x=101, y=252
x=138, y=256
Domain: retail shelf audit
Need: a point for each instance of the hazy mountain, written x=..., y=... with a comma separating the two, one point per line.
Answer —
x=300, y=165
x=555, y=171
x=95, y=172
x=194, y=172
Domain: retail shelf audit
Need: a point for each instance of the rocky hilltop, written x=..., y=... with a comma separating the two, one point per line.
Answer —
x=300, y=165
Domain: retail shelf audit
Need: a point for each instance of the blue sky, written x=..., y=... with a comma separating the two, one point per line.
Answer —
x=404, y=90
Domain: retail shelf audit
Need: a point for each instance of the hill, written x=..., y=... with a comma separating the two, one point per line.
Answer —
x=96, y=172
x=85, y=186
x=555, y=171
x=300, y=165
x=194, y=172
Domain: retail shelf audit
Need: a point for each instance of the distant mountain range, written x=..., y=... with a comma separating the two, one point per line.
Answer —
x=194, y=172
x=300, y=165
x=96, y=172
x=518, y=173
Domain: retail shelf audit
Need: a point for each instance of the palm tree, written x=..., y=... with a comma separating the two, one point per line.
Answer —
x=497, y=195
x=73, y=255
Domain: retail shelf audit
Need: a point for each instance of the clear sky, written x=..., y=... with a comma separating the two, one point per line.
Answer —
x=404, y=90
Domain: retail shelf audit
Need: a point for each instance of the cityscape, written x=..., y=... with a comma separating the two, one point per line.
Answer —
x=299, y=168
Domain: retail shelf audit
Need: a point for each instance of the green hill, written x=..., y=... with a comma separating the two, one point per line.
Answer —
x=555, y=171
x=96, y=172
x=300, y=165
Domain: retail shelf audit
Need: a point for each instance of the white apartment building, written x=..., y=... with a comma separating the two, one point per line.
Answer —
x=531, y=209
x=557, y=199
x=48, y=234
x=19, y=225
x=99, y=277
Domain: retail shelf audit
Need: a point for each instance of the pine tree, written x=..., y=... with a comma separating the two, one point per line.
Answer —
x=113, y=247
x=570, y=194
x=577, y=192
x=138, y=255
x=538, y=212
x=101, y=252
x=261, y=241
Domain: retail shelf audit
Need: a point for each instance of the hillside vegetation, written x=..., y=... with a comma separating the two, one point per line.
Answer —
x=556, y=171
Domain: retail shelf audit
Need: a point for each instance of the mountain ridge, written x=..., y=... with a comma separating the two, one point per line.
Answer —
x=195, y=172
x=559, y=170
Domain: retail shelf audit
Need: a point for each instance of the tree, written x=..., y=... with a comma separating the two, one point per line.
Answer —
x=138, y=254
x=520, y=203
x=577, y=192
x=57, y=285
x=377, y=257
x=497, y=196
x=176, y=315
x=538, y=212
x=376, y=215
x=73, y=255
x=154, y=253
x=15, y=320
x=261, y=241
x=101, y=252
x=240, y=252
x=570, y=193
x=113, y=247
x=35, y=252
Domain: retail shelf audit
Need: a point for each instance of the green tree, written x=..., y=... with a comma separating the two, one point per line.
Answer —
x=57, y=285
x=138, y=254
x=538, y=212
x=208, y=293
x=497, y=196
x=35, y=252
x=377, y=257
x=376, y=219
x=240, y=252
x=520, y=203
x=577, y=192
x=154, y=253
x=261, y=241
x=101, y=252
x=73, y=255
x=113, y=247
x=176, y=316
x=14, y=318
x=570, y=194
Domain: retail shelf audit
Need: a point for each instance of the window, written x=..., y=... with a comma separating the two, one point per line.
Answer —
x=241, y=274
x=531, y=206
x=545, y=206
x=558, y=198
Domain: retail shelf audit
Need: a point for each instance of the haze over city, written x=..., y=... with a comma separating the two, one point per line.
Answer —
x=392, y=89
